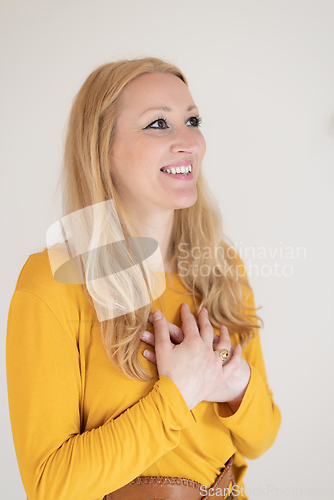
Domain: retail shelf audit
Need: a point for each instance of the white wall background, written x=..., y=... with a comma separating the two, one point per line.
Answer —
x=262, y=74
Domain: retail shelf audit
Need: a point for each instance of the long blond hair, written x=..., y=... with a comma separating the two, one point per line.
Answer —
x=86, y=181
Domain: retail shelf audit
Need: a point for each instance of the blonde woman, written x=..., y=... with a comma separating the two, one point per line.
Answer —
x=125, y=407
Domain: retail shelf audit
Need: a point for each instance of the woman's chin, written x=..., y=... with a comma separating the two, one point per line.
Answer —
x=185, y=201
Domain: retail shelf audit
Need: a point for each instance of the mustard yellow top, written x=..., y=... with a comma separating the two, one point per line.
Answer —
x=82, y=429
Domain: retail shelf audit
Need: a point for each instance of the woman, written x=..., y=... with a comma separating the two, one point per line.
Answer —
x=96, y=403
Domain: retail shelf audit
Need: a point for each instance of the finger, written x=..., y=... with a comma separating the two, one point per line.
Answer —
x=216, y=340
x=162, y=340
x=189, y=324
x=224, y=343
x=224, y=338
x=150, y=356
x=175, y=332
x=205, y=327
x=233, y=364
x=149, y=338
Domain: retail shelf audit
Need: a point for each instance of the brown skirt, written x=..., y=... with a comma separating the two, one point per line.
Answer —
x=175, y=488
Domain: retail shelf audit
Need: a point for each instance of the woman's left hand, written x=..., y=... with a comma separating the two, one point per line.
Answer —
x=232, y=390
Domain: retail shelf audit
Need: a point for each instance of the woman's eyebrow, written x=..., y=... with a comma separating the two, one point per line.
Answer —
x=165, y=108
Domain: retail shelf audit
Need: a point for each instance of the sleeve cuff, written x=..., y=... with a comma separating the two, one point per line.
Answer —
x=250, y=405
x=171, y=404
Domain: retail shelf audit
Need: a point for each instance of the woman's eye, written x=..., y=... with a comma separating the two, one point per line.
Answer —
x=159, y=124
x=195, y=121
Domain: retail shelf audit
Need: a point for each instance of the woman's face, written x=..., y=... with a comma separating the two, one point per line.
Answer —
x=157, y=128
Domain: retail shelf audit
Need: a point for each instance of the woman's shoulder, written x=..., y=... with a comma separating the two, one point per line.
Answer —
x=36, y=273
x=38, y=278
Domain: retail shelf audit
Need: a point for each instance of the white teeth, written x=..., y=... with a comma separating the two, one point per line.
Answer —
x=178, y=170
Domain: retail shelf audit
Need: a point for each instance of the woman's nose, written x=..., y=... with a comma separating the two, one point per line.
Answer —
x=184, y=140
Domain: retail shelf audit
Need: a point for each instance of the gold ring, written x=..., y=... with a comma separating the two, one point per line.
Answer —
x=223, y=354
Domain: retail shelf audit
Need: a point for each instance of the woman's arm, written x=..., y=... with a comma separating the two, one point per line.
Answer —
x=243, y=402
x=56, y=461
x=253, y=419
x=255, y=423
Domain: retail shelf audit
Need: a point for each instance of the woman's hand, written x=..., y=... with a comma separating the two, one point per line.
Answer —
x=192, y=363
x=235, y=379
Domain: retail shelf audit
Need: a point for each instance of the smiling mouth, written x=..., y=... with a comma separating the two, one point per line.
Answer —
x=178, y=170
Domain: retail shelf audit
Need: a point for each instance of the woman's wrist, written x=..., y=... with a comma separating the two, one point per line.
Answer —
x=235, y=403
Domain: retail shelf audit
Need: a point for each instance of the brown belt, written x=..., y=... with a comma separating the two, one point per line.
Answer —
x=175, y=488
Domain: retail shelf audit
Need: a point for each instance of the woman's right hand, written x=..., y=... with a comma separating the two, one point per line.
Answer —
x=193, y=365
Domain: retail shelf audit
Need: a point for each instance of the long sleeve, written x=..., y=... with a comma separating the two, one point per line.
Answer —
x=255, y=424
x=56, y=460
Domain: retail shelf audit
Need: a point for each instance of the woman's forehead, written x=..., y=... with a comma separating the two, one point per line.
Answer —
x=157, y=90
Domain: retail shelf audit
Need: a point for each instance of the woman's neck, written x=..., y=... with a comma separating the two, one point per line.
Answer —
x=158, y=227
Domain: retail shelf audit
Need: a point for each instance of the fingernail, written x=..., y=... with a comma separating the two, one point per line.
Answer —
x=144, y=353
x=150, y=318
x=187, y=306
x=157, y=315
x=205, y=310
x=145, y=336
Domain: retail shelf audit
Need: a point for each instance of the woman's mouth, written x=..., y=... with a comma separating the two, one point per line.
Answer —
x=178, y=170
x=181, y=173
